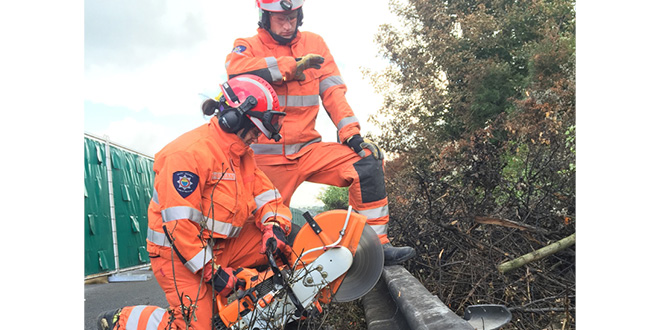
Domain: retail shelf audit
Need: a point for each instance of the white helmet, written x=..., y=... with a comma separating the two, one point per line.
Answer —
x=277, y=6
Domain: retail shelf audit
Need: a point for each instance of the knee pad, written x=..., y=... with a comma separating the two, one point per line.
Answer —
x=372, y=179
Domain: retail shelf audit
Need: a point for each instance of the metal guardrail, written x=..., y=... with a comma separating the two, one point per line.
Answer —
x=400, y=302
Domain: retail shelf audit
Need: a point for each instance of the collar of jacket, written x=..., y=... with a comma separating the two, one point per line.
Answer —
x=228, y=141
x=271, y=43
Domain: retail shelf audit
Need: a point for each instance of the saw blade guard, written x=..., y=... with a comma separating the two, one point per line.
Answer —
x=347, y=229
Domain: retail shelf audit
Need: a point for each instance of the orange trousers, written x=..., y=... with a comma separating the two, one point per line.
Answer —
x=337, y=165
x=189, y=289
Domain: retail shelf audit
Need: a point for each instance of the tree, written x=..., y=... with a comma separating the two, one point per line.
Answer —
x=480, y=116
x=334, y=198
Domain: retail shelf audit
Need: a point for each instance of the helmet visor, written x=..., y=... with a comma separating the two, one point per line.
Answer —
x=269, y=122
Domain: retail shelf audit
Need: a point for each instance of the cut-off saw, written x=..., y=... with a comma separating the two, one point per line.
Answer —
x=337, y=257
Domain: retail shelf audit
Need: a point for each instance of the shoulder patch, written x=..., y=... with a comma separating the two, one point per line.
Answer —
x=239, y=49
x=185, y=182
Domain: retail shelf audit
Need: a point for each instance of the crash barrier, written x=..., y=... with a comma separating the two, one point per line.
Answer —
x=400, y=301
x=118, y=188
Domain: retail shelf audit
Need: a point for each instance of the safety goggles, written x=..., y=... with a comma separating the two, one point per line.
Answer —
x=272, y=120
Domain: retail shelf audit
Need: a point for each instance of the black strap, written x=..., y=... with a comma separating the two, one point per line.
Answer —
x=230, y=92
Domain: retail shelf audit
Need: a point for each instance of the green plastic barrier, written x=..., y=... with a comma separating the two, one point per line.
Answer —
x=132, y=186
x=99, y=256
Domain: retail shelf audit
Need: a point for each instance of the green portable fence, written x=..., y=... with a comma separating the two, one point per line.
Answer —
x=118, y=188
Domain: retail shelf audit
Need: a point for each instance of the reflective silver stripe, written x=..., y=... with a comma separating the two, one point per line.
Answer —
x=273, y=69
x=298, y=100
x=157, y=238
x=375, y=213
x=329, y=82
x=266, y=197
x=155, y=318
x=198, y=261
x=181, y=212
x=155, y=197
x=380, y=229
x=272, y=214
x=134, y=317
x=186, y=212
x=346, y=121
x=276, y=149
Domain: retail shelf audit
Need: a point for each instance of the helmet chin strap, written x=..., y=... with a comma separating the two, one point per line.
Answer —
x=281, y=40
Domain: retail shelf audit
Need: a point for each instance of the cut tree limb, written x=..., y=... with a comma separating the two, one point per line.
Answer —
x=507, y=223
x=538, y=254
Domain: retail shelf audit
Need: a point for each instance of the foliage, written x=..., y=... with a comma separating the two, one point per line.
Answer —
x=480, y=108
x=334, y=198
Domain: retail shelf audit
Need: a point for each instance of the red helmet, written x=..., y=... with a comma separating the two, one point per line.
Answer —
x=252, y=97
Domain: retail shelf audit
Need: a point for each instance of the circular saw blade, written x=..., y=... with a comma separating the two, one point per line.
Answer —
x=365, y=270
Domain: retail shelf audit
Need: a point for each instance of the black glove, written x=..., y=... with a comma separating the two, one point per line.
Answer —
x=224, y=280
x=358, y=144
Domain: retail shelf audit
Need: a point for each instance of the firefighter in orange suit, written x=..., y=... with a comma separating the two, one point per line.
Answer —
x=300, y=68
x=213, y=212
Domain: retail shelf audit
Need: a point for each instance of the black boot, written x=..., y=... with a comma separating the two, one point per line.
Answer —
x=107, y=319
x=397, y=255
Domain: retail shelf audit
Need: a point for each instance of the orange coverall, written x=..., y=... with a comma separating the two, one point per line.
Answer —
x=210, y=201
x=300, y=155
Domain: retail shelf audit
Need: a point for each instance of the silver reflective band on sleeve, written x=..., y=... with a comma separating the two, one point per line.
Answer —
x=155, y=197
x=276, y=149
x=185, y=212
x=265, y=197
x=346, y=121
x=298, y=100
x=274, y=69
x=329, y=82
x=181, y=212
x=380, y=229
x=157, y=238
x=198, y=261
x=272, y=214
x=375, y=213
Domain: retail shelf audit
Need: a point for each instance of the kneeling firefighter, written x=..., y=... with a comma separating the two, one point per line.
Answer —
x=213, y=213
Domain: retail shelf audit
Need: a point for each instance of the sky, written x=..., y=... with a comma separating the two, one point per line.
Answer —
x=148, y=65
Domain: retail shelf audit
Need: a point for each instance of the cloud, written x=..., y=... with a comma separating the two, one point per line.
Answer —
x=127, y=34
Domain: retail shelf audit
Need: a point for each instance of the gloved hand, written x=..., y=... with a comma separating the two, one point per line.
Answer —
x=274, y=239
x=223, y=280
x=358, y=144
x=306, y=62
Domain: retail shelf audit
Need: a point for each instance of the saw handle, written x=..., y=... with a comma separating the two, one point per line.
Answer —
x=278, y=279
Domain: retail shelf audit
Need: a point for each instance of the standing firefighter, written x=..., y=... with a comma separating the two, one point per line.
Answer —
x=282, y=55
x=213, y=212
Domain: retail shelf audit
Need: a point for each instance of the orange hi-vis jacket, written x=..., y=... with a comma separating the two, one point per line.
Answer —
x=207, y=182
x=263, y=56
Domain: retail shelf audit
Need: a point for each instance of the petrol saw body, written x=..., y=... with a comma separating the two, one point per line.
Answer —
x=337, y=258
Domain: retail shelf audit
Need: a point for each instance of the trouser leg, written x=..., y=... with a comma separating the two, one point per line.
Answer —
x=144, y=317
x=187, y=295
x=336, y=165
